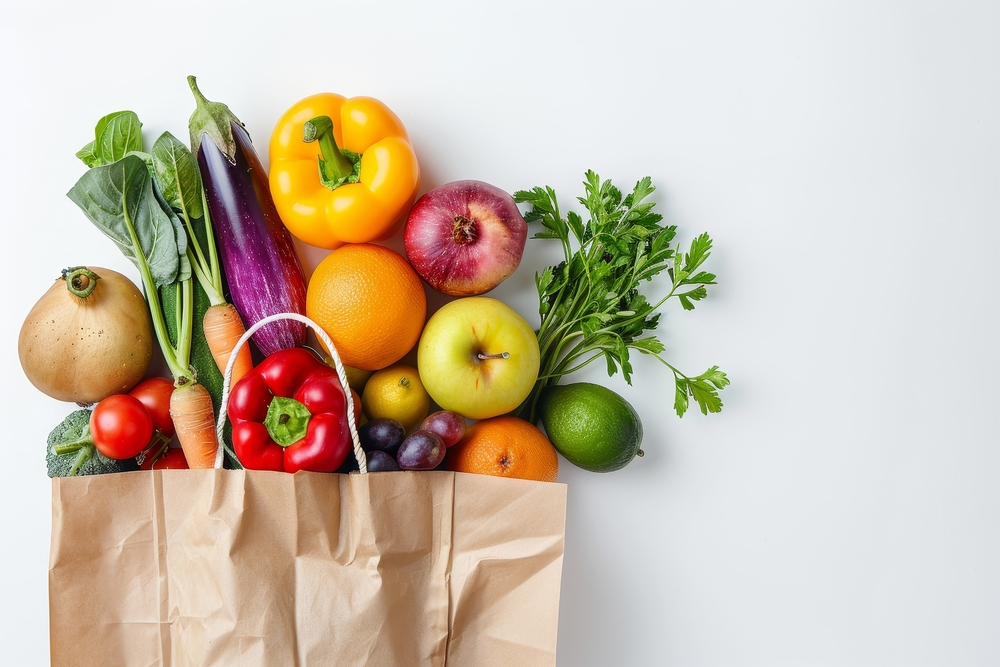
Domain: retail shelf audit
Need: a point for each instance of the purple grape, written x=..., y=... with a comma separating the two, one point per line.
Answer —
x=422, y=450
x=379, y=461
x=381, y=435
x=447, y=424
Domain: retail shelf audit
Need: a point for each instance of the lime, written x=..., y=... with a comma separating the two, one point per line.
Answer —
x=396, y=393
x=591, y=426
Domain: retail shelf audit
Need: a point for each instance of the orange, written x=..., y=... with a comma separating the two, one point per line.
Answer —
x=370, y=302
x=506, y=447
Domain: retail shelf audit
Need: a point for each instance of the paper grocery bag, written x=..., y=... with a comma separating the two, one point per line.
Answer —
x=224, y=567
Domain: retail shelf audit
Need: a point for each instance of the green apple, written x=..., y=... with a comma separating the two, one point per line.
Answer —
x=478, y=357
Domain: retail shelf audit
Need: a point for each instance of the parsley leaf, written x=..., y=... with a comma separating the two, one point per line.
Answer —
x=590, y=304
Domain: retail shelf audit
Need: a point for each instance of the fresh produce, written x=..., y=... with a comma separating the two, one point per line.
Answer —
x=121, y=426
x=178, y=187
x=590, y=304
x=179, y=180
x=342, y=170
x=505, y=447
x=88, y=337
x=477, y=357
x=381, y=435
x=591, y=426
x=172, y=458
x=200, y=222
x=421, y=450
x=290, y=413
x=154, y=393
x=261, y=266
x=356, y=377
x=379, y=461
x=370, y=302
x=465, y=238
x=449, y=425
x=70, y=450
x=397, y=393
x=120, y=199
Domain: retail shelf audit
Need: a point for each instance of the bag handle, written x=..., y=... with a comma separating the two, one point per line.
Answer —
x=359, y=453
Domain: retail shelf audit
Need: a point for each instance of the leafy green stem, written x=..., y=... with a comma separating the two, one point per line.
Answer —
x=590, y=304
x=177, y=369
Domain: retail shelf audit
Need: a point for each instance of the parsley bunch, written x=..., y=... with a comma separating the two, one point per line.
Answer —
x=590, y=304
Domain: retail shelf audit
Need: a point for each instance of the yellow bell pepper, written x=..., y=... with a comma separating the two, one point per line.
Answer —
x=342, y=170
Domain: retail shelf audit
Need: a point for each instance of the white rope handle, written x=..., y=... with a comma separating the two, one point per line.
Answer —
x=338, y=365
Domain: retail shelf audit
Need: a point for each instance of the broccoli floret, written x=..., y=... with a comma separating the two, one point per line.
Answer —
x=70, y=450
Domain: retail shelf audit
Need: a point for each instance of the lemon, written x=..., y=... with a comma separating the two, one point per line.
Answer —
x=396, y=393
x=357, y=377
x=591, y=426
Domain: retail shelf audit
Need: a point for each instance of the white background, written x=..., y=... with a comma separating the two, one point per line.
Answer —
x=844, y=509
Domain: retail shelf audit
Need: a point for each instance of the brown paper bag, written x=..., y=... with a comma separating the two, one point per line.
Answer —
x=225, y=567
x=222, y=567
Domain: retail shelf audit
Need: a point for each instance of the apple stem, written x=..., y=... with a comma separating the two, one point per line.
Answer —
x=336, y=165
x=501, y=355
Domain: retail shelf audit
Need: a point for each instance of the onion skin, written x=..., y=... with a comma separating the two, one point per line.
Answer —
x=82, y=350
x=258, y=257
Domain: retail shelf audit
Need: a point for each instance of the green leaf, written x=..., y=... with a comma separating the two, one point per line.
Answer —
x=88, y=155
x=184, y=268
x=651, y=345
x=576, y=225
x=696, y=294
x=706, y=395
x=593, y=298
x=702, y=278
x=680, y=396
x=115, y=136
x=716, y=377
x=121, y=135
x=119, y=199
x=703, y=389
x=612, y=366
x=642, y=189
x=177, y=175
x=543, y=280
x=699, y=252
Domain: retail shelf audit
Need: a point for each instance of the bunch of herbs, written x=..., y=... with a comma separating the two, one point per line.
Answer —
x=590, y=304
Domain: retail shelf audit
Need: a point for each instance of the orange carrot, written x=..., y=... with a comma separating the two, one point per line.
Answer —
x=194, y=420
x=223, y=328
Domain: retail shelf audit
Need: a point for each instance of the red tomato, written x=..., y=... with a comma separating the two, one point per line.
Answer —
x=120, y=426
x=155, y=393
x=173, y=459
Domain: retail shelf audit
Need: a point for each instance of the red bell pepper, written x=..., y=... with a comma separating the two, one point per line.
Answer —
x=290, y=413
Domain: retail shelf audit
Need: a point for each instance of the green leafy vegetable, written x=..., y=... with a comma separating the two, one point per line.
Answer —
x=118, y=198
x=116, y=135
x=177, y=175
x=121, y=201
x=590, y=304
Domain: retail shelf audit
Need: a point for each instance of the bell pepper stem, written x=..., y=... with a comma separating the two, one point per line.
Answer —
x=336, y=165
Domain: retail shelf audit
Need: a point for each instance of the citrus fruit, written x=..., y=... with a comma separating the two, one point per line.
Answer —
x=590, y=425
x=370, y=302
x=357, y=377
x=505, y=447
x=397, y=393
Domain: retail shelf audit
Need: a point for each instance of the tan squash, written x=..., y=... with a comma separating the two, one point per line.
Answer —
x=88, y=337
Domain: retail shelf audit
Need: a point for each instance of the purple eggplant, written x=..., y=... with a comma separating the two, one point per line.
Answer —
x=260, y=263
